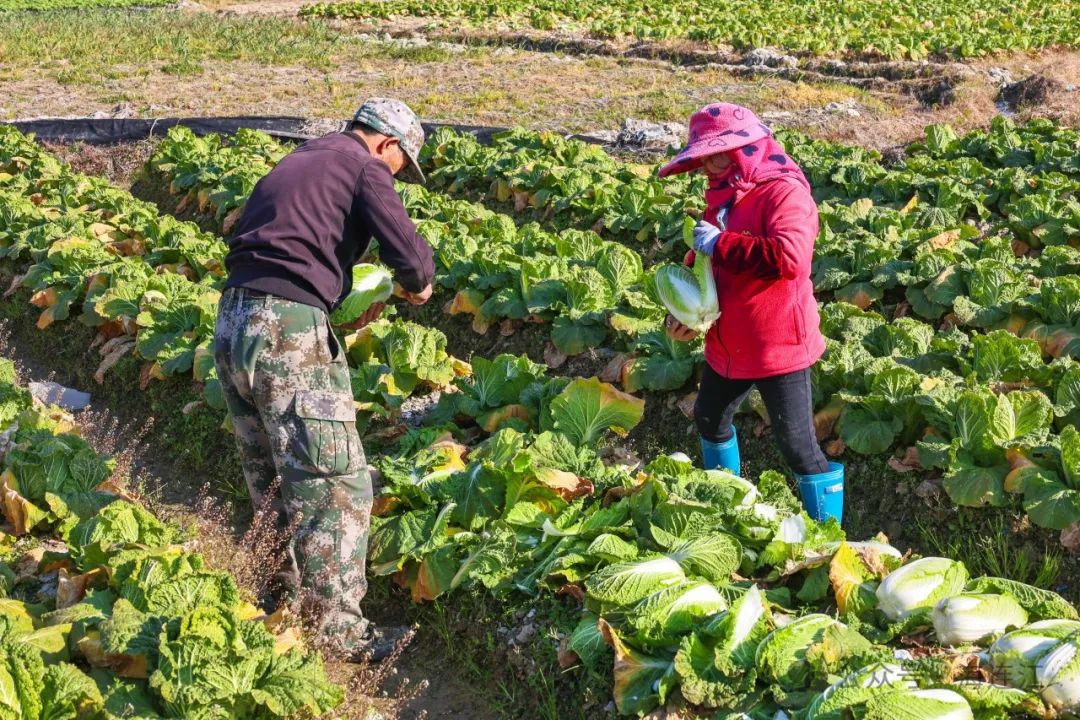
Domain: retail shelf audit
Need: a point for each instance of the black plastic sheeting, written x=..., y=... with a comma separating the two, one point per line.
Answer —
x=109, y=131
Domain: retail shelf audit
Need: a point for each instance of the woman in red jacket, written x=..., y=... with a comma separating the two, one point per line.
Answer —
x=759, y=226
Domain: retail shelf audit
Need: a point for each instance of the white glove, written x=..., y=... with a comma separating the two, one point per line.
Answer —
x=705, y=236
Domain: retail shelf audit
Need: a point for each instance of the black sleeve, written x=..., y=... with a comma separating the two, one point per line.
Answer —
x=400, y=246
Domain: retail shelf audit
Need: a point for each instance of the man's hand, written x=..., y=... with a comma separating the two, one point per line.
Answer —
x=370, y=315
x=418, y=298
x=677, y=331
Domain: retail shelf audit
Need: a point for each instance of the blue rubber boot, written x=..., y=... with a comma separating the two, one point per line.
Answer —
x=722, y=456
x=823, y=494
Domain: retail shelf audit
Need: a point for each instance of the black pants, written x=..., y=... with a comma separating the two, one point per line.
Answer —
x=791, y=411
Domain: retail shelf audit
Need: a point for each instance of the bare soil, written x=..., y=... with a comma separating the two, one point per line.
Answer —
x=118, y=163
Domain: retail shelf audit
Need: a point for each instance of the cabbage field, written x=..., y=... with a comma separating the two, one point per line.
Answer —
x=951, y=303
x=105, y=614
x=865, y=28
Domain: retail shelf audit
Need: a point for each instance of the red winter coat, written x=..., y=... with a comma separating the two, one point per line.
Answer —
x=768, y=316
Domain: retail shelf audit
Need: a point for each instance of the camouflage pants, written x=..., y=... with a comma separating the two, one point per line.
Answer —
x=288, y=390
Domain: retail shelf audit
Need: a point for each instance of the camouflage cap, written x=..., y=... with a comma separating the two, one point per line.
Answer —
x=395, y=118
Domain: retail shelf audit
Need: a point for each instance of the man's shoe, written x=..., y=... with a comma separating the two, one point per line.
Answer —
x=283, y=590
x=380, y=643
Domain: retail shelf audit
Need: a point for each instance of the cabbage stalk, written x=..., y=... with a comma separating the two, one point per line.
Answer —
x=371, y=284
x=1058, y=674
x=919, y=586
x=973, y=617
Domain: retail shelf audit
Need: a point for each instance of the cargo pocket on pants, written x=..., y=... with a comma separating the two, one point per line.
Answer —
x=324, y=427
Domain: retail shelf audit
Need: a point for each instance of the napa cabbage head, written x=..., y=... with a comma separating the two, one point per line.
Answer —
x=918, y=586
x=740, y=630
x=628, y=583
x=973, y=617
x=1057, y=674
x=744, y=493
x=714, y=662
x=690, y=295
x=781, y=656
x=1014, y=655
x=760, y=520
x=856, y=689
x=371, y=284
x=664, y=615
x=934, y=704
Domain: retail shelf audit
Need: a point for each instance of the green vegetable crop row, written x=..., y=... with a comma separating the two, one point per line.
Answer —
x=104, y=615
x=939, y=243
x=864, y=28
x=701, y=588
x=150, y=284
x=590, y=291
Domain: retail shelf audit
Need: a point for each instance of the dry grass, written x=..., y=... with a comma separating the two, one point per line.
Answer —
x=1062, y=66
x=905, y=120
x=257, y=557
x=378, y=689
x=499, y=88
x=201, y=64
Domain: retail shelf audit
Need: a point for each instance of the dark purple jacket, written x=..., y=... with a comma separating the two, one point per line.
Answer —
x=312, y=218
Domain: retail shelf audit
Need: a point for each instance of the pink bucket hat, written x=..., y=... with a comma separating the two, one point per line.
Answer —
x=716, y=128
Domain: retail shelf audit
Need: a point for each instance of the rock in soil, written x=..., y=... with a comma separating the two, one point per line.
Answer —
x=1070, y=538
x=644, y=136
x=1000, y=76
x=769, y=58
x=50, y=393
